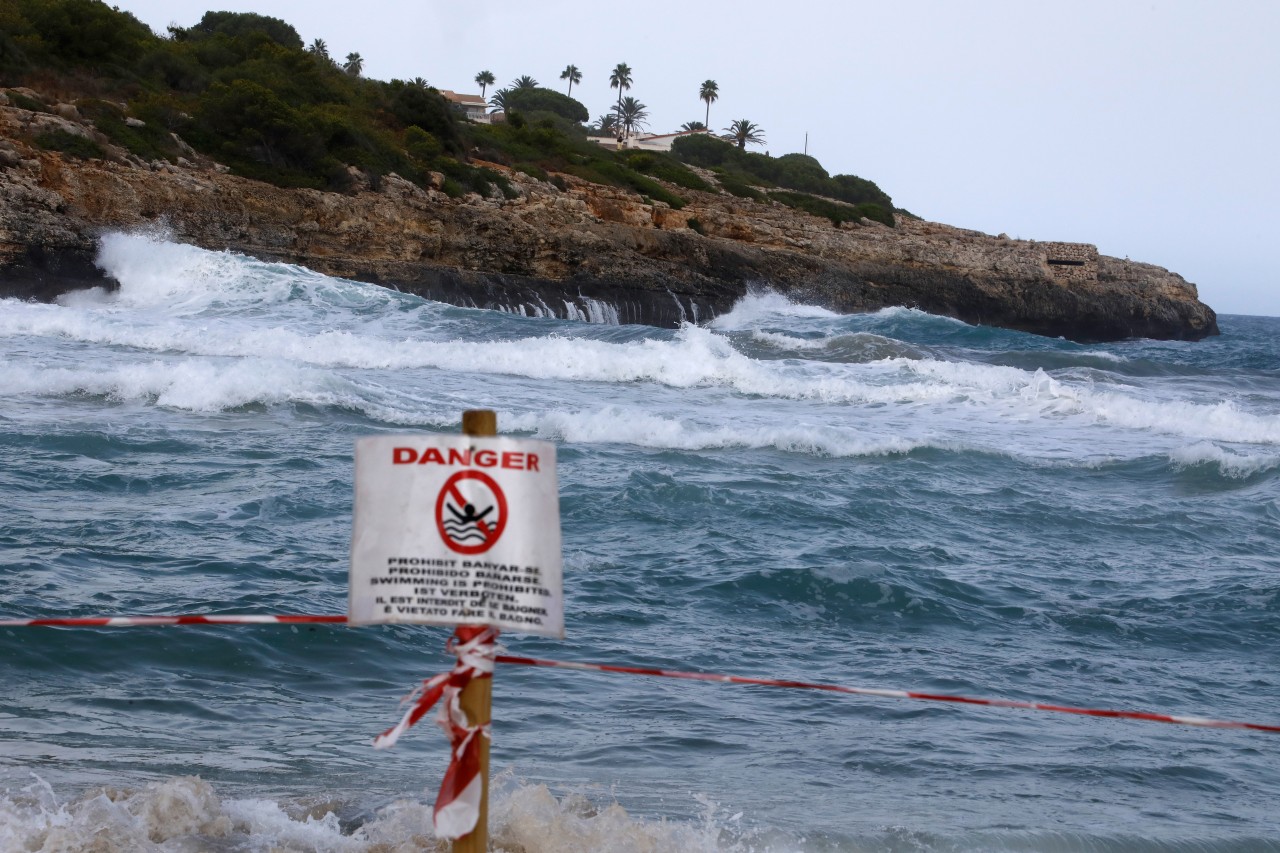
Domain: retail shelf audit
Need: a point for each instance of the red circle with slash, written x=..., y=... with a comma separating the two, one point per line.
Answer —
x=470, y=526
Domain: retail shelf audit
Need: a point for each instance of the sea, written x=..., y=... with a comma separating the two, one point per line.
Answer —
x=886, y=500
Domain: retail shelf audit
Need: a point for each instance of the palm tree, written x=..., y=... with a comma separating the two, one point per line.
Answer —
x=631, y=114
x=525, y=82
x=485, y=79
x=743, y=131
x=573, y=75
x=420, y=82
x=620, y=79
x=692, y=125
x=319, y=48
x=709, y=92
x=499, y=100
x=355, y=64
x=606, y=124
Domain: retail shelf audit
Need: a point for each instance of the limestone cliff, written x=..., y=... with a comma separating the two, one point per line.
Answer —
x=570, y=250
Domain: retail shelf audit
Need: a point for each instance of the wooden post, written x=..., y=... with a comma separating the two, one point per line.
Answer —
x=477, y=698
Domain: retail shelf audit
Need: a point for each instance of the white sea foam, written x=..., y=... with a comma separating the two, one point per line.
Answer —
x=903, y=312
x=184, y=814
x=765, y=306
x=193, y=385
x=1231, y=463
x=285, y=364
x=271, y=345
x=625, y=426
x=782, y=341
x=176, y=279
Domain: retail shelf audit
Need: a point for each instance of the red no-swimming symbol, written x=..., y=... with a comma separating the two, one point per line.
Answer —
x=471, y=517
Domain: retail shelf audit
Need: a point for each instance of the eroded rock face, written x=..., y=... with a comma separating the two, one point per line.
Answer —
x=571, y=252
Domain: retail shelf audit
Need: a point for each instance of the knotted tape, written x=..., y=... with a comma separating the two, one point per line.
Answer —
x=458, y=804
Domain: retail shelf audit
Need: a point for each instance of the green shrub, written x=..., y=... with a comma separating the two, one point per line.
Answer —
x=421, y=144
x=148, y=141
x=734, y=185
x=876, y=212
x=857, y=190
x=797, y=172
x=452, y=188
x=702, y=149
x=664, y=167
x=803, y=173
x=82, y=32
x=611, y=172
x=236, y=24
x=533, y=171
x=160, y=109
x=539, y=99
x=175, y=65
x=428, y=110
x=836, y=211
x=260, y=136
x=476, y=179
x=485, y=176
x=23, y=102
x=70, y=143
x=15, y=33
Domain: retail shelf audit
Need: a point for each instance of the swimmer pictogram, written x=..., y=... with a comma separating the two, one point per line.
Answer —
x=471, y=512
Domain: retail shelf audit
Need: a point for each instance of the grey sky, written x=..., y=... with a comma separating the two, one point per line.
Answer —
x=1149, y=128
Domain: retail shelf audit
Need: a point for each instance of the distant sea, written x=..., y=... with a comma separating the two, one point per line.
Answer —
x=883, y=500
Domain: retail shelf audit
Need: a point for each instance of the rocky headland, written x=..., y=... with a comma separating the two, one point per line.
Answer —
x=568, y=248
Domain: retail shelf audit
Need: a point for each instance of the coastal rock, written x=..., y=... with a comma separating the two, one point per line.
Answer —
x=574, y=249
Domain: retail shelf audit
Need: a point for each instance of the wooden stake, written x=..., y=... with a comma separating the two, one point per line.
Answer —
x=477, y=698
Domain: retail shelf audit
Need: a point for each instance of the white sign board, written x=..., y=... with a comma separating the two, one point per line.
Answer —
x=457, y=530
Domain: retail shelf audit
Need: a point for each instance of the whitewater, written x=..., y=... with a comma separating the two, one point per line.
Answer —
x=891, y=500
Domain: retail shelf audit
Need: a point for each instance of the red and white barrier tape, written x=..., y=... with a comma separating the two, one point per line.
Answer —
x=458, y=805
x=145, y=621
x=890, y=694
x=119, y=621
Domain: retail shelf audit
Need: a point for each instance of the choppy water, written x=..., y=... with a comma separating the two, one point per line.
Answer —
x=891, y=500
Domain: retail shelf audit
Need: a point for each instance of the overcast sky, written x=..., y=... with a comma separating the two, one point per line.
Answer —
x=1147, y=127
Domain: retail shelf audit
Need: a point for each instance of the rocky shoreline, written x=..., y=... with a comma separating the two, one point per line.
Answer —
x=570, y=249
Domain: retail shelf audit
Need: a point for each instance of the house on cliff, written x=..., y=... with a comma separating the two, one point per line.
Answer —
x=473, y=107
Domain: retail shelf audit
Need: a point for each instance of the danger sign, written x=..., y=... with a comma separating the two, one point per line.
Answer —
x=454, y=530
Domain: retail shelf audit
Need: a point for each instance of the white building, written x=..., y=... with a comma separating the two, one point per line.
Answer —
x=473, y=106
x=648, y=141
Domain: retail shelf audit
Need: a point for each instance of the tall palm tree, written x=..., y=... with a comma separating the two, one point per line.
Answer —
x=692, y=125
x=319, y=48
x=485, y=79
x=354, y=65
x=709, y=92
x=525, y=82
x=573, y=75
x=631, y=114
x=620, y=79
x=743, y=131
x=499, y=100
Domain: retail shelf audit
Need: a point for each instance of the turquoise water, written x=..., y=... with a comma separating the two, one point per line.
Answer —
x=887, y=500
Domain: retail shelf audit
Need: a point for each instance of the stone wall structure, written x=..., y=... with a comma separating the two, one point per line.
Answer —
x=1076, y=262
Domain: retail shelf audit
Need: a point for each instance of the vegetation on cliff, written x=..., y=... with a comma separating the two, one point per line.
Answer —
x=242, y=89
